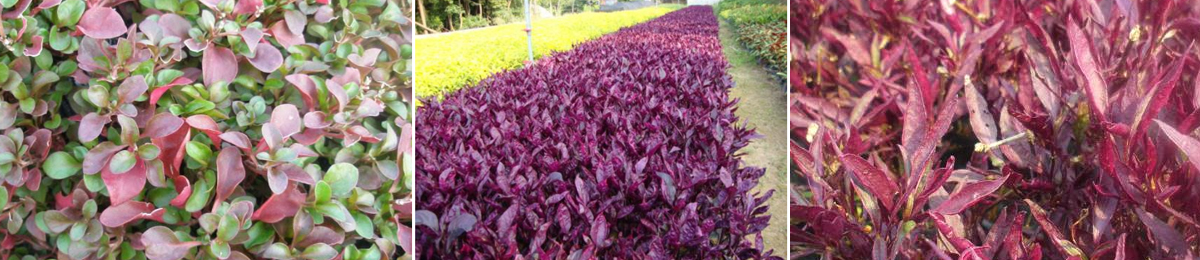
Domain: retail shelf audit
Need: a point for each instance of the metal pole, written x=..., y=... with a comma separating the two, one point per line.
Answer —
x=529, y=31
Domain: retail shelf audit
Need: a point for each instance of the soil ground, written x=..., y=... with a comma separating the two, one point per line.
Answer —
x=763, y=107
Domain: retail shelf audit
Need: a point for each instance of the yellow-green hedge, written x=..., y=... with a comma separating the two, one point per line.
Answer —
x=452, y=61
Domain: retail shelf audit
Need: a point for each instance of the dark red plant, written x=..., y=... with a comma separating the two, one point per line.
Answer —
x=995, y=129
x=624, y=147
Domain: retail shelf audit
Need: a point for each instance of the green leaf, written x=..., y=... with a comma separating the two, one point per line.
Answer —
x=199, y=198
x=322, y=191
x=167, y=5
x=219, y=248
x=365, y=228
x=259, y=233
x=3, y=72
x=410, y=169
x=122, y=162
x=78, y=230
x=228, y=228
x=199, y=152
x=61, y=165
x=3, y=197
x=8, y=3
x=148, y=151
x=69, y=12
x=319, y=251
x=342, y=178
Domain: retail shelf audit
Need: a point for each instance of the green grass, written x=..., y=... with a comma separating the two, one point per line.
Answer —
x=451, y=61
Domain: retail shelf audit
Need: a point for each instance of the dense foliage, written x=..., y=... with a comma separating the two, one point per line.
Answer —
x=456, y=60
x=450, y=15
x=622, y=148
x=996, y=129
x=205, y=129
x=761, y=26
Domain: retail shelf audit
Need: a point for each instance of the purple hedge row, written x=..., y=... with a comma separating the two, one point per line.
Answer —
x=625, y=147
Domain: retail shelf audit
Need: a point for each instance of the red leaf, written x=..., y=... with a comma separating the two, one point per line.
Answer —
x=266, y=58
x=280, y=206
x=219, y=64
x=124, y=213
x=230, y=172
x=1061, y=242
x=338, y=93
x=875, y=181
x=171, y=147
x=1096, y=87
x=1188, y=145
x=101, y=23
x=162, y=124
x=124, y=187
x=968, y=196
x=184, y=189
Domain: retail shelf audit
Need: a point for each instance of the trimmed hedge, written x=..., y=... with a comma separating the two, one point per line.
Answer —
x=625, y=147
x=455, y=60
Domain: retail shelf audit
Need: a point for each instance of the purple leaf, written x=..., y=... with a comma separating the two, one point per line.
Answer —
x=968, y=196
x=1167, y=238
x=251, y=36
x=245, y=7
x=124, y=187
x=101, y=23
x=91, y=126
x=266, y=58
x=124, y=213
x=285, y=36
x=295, y=21
x=162, y=244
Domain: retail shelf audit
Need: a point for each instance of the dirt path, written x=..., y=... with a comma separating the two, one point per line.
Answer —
x=763, y=106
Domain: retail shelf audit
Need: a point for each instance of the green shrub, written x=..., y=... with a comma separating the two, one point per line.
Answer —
x=455, y=60
x=761, y=25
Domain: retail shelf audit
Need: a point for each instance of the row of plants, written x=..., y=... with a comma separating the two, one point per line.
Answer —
x=210, y=129
x=761, y=26
x=542, y=163
x=456, y=60
x=1020, y=129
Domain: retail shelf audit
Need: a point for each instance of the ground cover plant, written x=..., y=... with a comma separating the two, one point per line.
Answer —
x=622, y=148
x=995, y=129
x=455, y=60
x=205, y=129
x=761, y=26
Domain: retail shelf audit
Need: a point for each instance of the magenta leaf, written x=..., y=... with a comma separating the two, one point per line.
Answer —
x=306, y=87
x=219, y=65
x=365, y=60
x=131, y=88
x=101, y=23
x=1167, y=238
x=1085, y=61
x=247, y=6
x=237, y=139
x=1188, y=145
x=875, y=181
x=205, y=124
x=968, y=196
x=251, y=36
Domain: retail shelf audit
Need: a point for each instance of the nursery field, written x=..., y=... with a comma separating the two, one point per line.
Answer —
x=539, y=161
x=455, y=60
x=995, y=130
x=760, y=26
